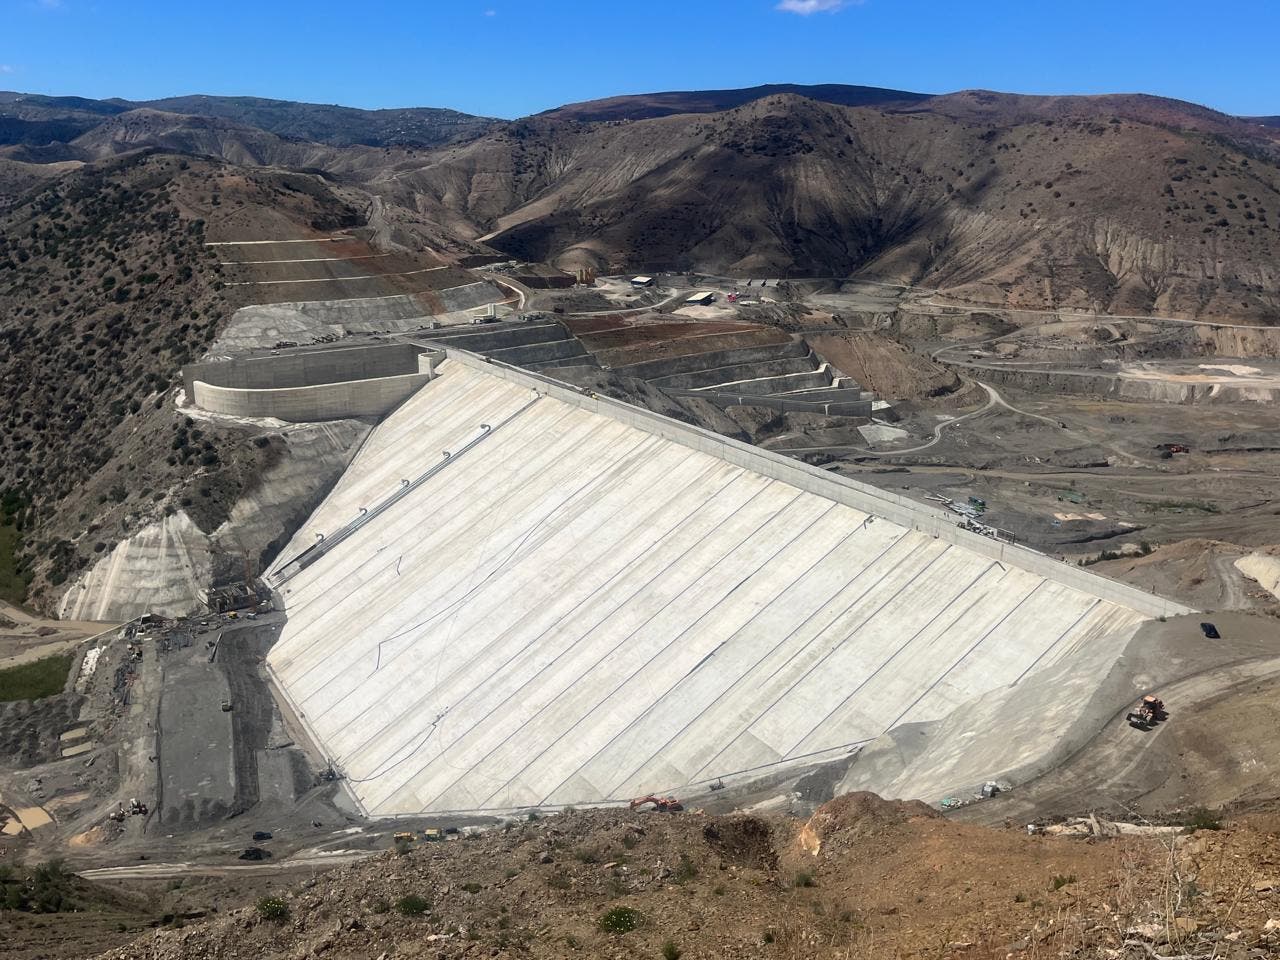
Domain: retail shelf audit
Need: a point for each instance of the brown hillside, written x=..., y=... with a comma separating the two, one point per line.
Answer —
x=863, y=878
x=1072, y=208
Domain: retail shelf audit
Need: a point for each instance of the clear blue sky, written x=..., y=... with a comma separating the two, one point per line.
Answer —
x=513, y=57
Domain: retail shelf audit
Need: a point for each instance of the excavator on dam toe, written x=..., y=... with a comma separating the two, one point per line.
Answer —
x=660, y=804
x=1148, y=713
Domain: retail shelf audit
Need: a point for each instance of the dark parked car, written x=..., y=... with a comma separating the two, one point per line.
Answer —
x=1210, y=631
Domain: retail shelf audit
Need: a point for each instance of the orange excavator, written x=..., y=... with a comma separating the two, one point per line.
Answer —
x=660, y=804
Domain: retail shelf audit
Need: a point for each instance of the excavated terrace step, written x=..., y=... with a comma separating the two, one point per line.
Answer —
x=492, y=338
x=740, y=371
x=694, y=362
x=771, y=386
x=551, y=350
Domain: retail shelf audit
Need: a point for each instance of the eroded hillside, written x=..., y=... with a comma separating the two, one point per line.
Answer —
x=1083, y=208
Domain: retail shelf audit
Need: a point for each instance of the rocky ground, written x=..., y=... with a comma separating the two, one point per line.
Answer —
x=862, y=878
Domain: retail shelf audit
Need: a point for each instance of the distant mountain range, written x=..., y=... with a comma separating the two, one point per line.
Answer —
x=37, y=120
x=1124, y=202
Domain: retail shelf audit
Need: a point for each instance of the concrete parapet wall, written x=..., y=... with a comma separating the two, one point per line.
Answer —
x=325, y=401
x=899, y=509
x=312, y=385
x=306, y=368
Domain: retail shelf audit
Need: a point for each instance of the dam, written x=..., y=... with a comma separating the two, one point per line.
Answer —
x=522, y=595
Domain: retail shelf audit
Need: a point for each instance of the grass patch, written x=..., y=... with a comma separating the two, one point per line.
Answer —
x=13, y=582
x=32, y=681
x=1200, y=506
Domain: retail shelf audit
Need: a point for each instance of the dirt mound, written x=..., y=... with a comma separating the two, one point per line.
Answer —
x=1198, y=571
x=849, y=819
x=885, y=366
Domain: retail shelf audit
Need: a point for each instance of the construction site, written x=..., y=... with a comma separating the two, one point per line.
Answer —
x=697, y=543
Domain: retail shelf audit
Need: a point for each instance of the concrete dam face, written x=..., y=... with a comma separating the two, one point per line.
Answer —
x=582, y=602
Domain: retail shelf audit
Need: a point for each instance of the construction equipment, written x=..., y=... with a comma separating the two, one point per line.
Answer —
x=1149, y=712
x=660, y=804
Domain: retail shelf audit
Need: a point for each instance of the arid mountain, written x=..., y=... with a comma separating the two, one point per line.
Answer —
x=37, y=120
x=1031, y=202
x=332, y=124
x=646, y=106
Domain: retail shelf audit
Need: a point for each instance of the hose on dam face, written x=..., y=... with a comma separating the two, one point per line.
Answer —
x=288, y=570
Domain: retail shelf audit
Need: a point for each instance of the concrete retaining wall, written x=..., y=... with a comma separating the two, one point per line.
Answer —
x=327, y=401
x=899, y=509
x=306, y=368
x=312, y=385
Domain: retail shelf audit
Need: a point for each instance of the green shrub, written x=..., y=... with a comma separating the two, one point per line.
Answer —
x=685, y=870
x=670, y=951
x=1059, y=881
x=272, y=908
x=1202, y=818
x=805, y=879
x=412, y=905
x=620, y=920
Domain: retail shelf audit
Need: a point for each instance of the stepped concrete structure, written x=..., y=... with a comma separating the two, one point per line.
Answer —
x=522, y=595
x=787, y=377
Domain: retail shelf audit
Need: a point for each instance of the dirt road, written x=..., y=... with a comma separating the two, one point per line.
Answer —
x=1124, y=771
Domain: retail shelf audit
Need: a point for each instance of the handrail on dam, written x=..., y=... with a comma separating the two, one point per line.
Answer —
x=326, y=543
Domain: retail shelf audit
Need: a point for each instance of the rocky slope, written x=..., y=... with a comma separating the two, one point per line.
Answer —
x=862, y=878
x=106, y=289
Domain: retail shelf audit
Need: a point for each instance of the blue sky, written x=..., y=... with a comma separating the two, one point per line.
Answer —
x=513, y=57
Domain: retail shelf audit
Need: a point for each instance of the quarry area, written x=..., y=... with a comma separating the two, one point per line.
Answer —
x=451, y=596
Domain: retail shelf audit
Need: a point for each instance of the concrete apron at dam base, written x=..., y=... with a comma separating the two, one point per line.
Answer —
x=595, y=602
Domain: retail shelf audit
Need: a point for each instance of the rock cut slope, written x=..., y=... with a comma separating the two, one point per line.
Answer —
x=584, y=602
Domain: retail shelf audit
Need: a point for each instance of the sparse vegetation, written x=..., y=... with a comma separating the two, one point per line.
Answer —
x=1202, y=818
x=46, y=888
